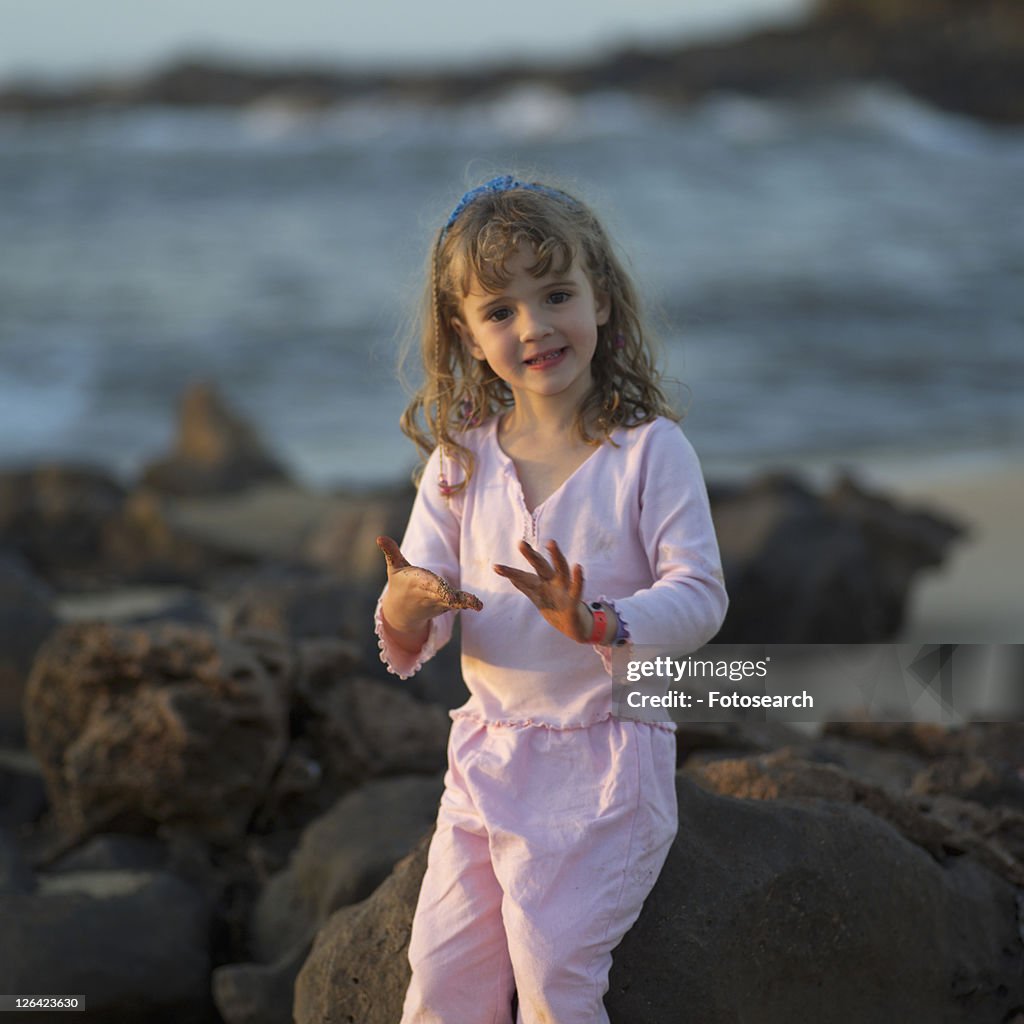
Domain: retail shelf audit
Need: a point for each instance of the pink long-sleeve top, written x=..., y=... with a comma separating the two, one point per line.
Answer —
x=636, y=517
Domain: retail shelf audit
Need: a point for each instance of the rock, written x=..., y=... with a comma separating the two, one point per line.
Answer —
x=358, y=969
x=293, y=604
x=784, y=775
x=134, y=944
x=54, y=515
x=717, y=739
x=22, y=789
x=15, y=872
x=26, y=619
x=961, y=55
x=341, y=858
x=137, y=728
x=980, y=779
x=814, y=911
x=258, y=993
x=114, y=853
x=215, y=452
x=807, y=569
x=772, y=912
x=922, y=739
x=893, y=770
x=144, y=544
x=369, y=729
x=345, y=541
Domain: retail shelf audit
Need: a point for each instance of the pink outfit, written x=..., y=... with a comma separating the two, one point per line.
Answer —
x=556, y=817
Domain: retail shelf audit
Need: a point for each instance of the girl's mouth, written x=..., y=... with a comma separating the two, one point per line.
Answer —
x=548, y=359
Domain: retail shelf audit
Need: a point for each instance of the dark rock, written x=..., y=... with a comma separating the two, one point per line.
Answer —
x=891, y=769
x=922, y=739
x=717, y=739
x=358, y=969
x=818, y=911
x=807, y=569
x=114, y=853
x=785, y=775
x=215, y=452
x=981, y=779
x=15, y=871
x=26, y=619
x=764, y=911
x=368, y=729
x=960, y=55
x=138, y=728
x=341, y=858
x=134, y=944
x=258, y=993
x=293, y=605
x=22, y=789
x=54, y=515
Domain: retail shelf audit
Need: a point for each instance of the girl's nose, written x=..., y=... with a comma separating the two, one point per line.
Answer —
x=533, y=326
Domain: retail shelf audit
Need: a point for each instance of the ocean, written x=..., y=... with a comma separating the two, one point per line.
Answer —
x=838, y=280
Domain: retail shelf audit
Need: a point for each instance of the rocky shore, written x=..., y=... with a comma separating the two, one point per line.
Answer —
x=214, y=802
x=964, y=56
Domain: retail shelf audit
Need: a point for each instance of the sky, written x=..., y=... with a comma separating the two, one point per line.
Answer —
x=68, y=38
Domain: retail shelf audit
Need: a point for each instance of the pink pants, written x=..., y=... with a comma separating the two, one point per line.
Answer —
x=547, y=843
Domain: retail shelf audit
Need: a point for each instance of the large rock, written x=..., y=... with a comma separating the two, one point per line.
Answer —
x=54, y=514
x=804, y=568
x=216, y=451
x=819, y=911
x=769, y=911
x=135, y=944
x=368, y=729
x=170, y=726
x=26, y=619
x=945, y=830
x=22, y=790
x=341, y=858
x=358, y=969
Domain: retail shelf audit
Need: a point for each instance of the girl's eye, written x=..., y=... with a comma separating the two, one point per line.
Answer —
x=557, y=298
x=497, y=315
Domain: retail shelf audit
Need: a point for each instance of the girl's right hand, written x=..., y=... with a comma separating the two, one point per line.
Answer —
x=415, y=595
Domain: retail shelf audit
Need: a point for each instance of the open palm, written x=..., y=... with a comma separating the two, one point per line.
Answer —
x=420, y=593
x=556, y=590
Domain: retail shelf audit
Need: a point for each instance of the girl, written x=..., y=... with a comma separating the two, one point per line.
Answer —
x=547, y=431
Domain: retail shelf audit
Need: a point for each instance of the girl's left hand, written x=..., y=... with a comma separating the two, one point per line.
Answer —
x=555, y=590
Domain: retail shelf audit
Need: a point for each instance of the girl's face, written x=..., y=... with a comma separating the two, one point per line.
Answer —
x=538, y=334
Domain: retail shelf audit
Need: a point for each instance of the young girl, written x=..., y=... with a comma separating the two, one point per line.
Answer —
x=563, y=510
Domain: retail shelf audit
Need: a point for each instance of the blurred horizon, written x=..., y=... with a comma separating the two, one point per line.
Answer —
x=114, y=38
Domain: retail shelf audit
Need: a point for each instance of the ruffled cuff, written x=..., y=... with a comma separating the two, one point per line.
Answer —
x=621, y=645
x=404, y=663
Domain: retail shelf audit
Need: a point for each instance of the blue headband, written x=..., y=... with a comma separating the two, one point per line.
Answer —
x=505, y=183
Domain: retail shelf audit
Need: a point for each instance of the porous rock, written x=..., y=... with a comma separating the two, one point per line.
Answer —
x=140, y=728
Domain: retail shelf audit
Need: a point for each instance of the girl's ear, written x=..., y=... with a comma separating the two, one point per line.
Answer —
x=602, y=308
x=467, y=338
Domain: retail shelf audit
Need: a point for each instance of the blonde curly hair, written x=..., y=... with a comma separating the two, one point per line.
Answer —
x=460, y=391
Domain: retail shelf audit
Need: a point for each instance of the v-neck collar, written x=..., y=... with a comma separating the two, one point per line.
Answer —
x=509, y=468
